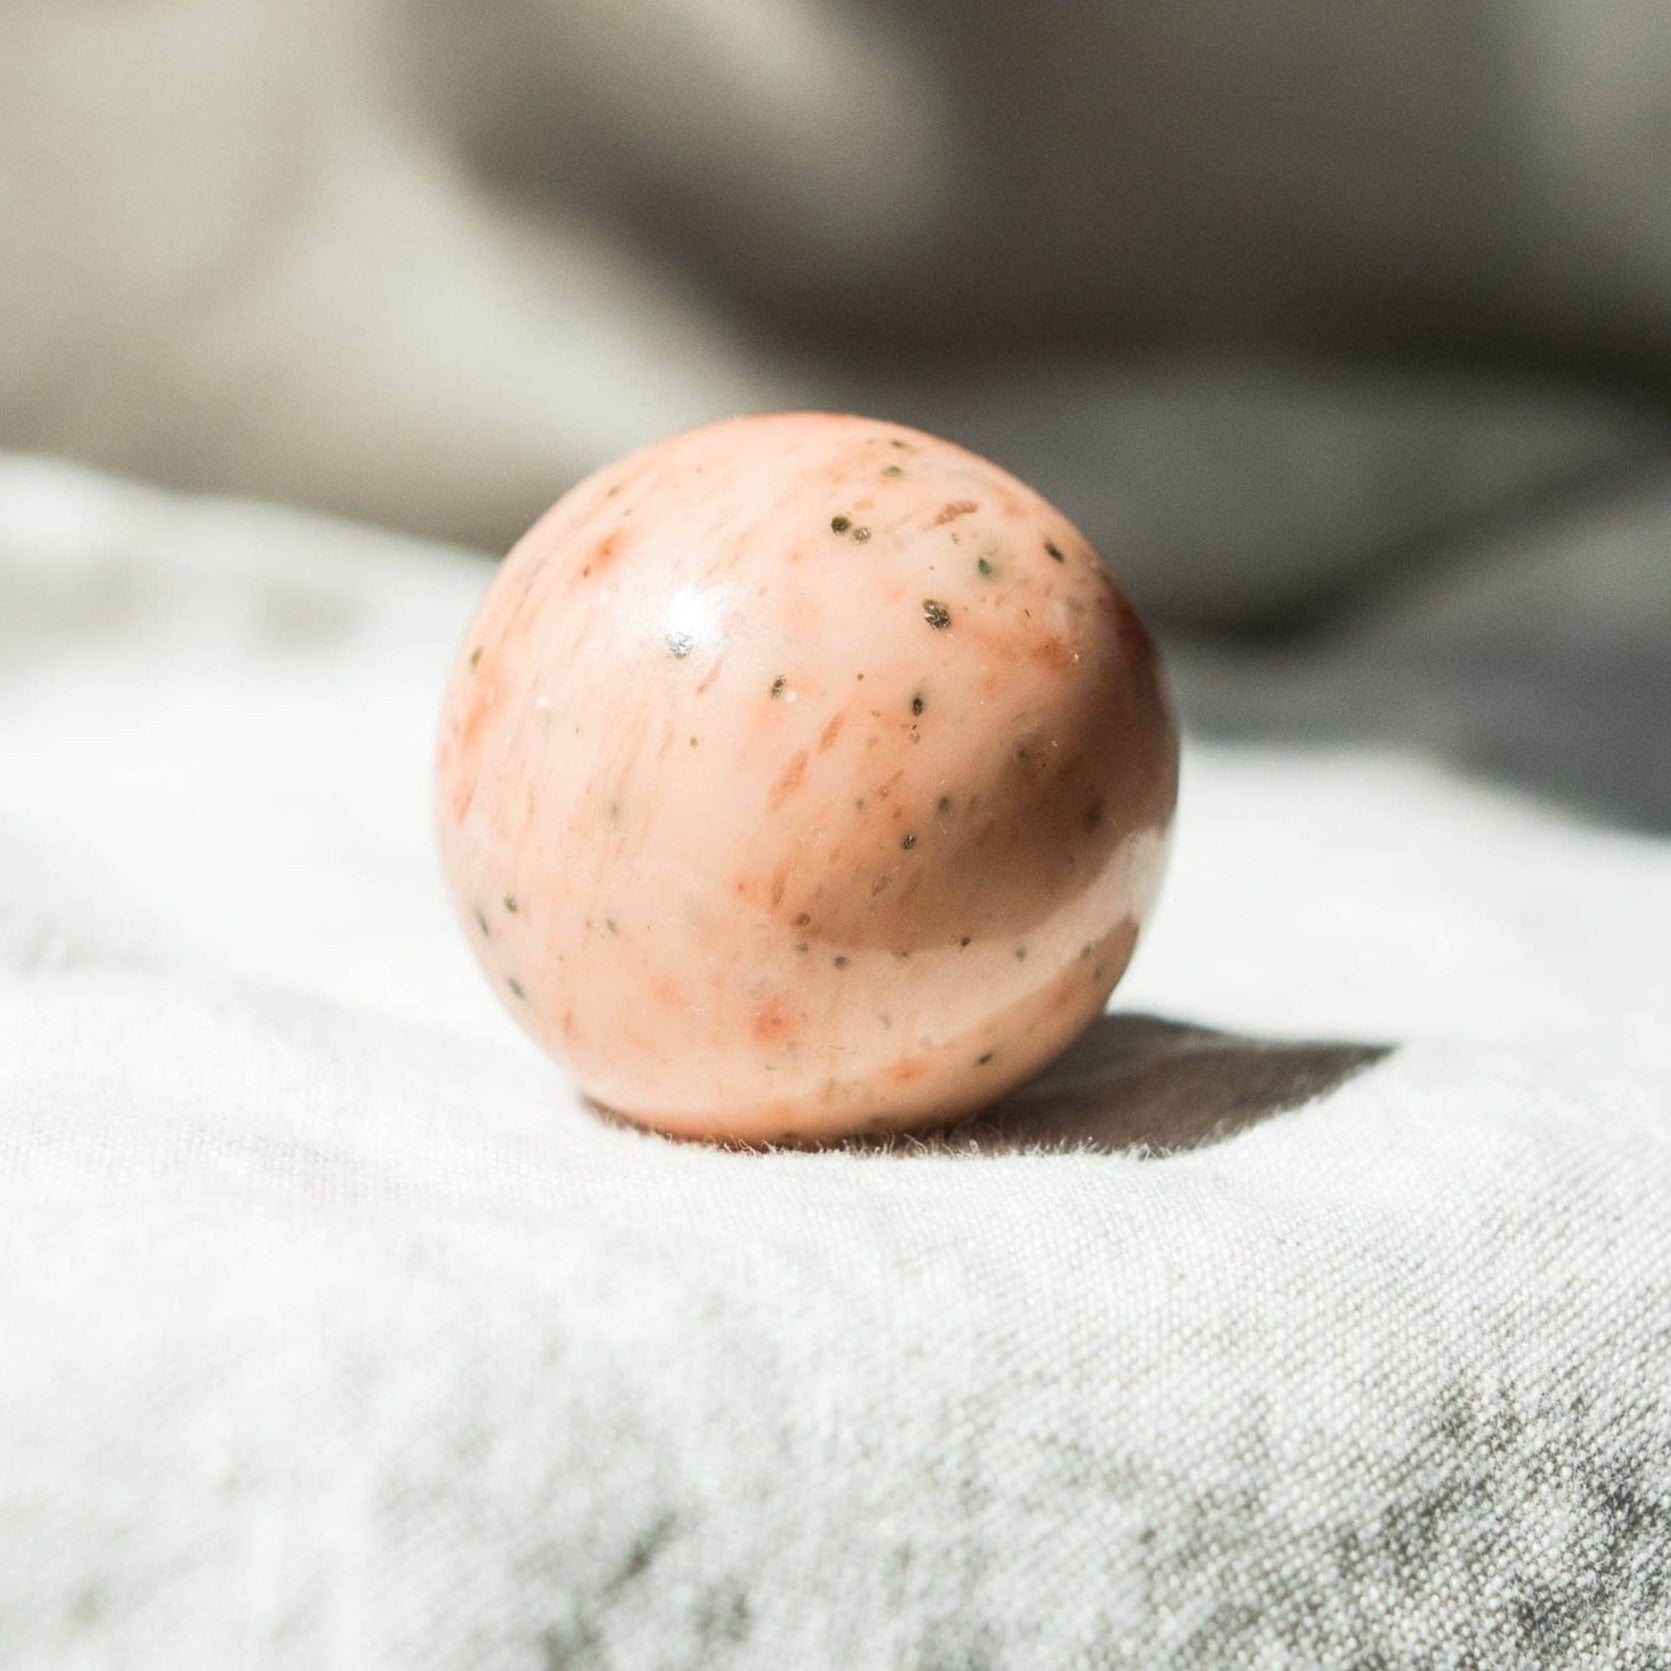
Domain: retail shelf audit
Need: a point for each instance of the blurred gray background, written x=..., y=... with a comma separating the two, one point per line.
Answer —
x=1344, y=331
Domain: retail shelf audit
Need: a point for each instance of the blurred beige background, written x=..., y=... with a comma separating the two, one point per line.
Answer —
x=1264, y=293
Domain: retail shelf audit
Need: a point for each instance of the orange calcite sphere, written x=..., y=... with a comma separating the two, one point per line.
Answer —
x=803, y=776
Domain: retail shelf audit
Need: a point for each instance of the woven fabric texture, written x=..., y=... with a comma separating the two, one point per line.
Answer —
x=1314, y=1312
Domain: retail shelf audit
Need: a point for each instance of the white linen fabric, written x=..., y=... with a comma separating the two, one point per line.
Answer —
x=333, y=1332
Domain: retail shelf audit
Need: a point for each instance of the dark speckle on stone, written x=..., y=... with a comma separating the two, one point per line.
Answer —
x=476, y=656
x=936, y=614
x=916, y=704
x=801, y=946
x=840, y=524
x=679, y=645
x=908, y=842
x=1055, y=551
x=984, y=566
x=609, y=923
x=839, y=961
x=981, y=1061
x=861, y=534
x=1020, y=954
x=966, y=940
x=944, y=804
x=510, y=904
x=892, y=470
x=516, y=987
x=803, y=919
x=778, y=685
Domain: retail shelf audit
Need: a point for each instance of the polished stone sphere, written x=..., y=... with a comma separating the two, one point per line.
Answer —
x=804, y=776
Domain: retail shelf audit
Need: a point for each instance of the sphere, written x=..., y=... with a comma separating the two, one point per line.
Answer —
x=803, y=776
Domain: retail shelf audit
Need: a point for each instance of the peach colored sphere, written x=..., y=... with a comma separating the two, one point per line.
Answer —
x=803, y=776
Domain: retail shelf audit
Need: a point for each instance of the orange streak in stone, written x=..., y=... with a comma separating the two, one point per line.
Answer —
x=786, y=785
x=770, y=1024
x=1050, y=652
x=475, y=717
x=951, y=512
